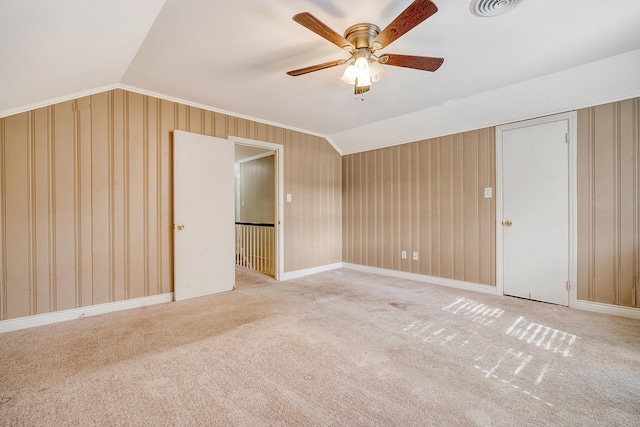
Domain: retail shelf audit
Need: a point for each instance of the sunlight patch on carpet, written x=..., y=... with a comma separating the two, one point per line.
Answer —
x=475, y=311
x=542, y=336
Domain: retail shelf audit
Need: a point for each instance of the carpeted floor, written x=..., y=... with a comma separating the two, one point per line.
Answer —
x=337, y=348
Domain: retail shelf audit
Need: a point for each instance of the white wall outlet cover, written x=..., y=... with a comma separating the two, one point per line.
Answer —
x=289, y=198
x=404, y=254
x=415, y=256
x=488, y=193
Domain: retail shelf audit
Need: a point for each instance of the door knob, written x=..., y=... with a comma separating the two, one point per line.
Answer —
x=180, y=226
x=506, y=223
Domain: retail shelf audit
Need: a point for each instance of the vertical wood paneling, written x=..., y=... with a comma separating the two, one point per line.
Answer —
x=345, y=206
x=16, y=203
x=471, y=198
x=606, y=204
x=166, y=121
x=390, y=248
x=66, y=248
x=86, y=199
x=436, y=230
x=119, y=247
x=585, y=161
x=42, y=212
x=100, y=200
x=608, y=211
x=424, y=201
x=458, y=206
x=257, y=191
x=405, y=213
x=371, y=209
x=3, y=223
x=357, y=211
x=487, y=233
x=626, y=201
x=305, y=195
x=428, y=198
x=379, y=209
x=152, y=223
x=85, y=217
x=136, y=196
x=446, y=207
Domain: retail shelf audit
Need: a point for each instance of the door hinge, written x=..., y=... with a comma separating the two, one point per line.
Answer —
x=568, y=285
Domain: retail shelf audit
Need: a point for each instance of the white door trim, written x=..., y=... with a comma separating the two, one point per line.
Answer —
x=571, y=118
x=279, y=158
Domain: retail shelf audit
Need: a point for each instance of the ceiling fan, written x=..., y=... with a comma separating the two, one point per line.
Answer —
x=363, y=40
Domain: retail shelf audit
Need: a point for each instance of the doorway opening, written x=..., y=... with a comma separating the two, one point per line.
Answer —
x=258, y=190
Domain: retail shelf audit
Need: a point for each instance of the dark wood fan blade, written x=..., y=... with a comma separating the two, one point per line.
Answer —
x=413, y=15
x=424, y=63
x=318, y=67
x=314, y=24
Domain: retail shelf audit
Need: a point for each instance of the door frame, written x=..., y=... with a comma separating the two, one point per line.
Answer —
x=279, y=170
x=571, y=118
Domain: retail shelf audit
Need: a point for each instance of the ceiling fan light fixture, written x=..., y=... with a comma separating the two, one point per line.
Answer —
x=376, y=71
x=361, y=41
x=361, y=66
x=363, y=80
x=361, y=70
x=349, y=76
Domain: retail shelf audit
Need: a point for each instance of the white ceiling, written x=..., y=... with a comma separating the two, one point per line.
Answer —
x=232, y=55
x=245, y=152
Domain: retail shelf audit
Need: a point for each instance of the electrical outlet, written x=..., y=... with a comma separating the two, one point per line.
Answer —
x=289, y=198
x=488, y=193
x=415, y=256
x=404, y=254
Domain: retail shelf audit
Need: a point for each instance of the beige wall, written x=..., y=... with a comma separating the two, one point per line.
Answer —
x=257, y=190
x=427, y=197
x=313, y=177
x=608, y=203
x=85, y=199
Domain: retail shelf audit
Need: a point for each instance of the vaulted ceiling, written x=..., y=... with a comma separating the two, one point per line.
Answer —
x=542, y=57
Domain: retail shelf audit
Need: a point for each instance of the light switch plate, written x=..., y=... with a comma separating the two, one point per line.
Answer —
x=404, y=254
x=488, y=193
x=289, y=198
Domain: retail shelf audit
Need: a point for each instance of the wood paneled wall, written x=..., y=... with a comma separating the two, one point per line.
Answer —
x=608, y=203
x=85, y=199
x=428, y=197
x=313, y=177
x=257, y=190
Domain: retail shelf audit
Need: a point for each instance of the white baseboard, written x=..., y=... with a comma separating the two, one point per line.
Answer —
x=77, y=313
x=309, y=271
x=459, y=284
x=615, y=310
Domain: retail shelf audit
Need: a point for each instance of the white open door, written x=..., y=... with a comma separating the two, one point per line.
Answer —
x=203, y=212
x=536, y=236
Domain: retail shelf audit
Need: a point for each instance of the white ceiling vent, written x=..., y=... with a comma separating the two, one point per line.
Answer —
x=487, y=8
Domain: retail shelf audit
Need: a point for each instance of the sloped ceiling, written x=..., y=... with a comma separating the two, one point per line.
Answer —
x=543, y=57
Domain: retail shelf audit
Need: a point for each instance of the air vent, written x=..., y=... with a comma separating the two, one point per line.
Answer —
x=487, y=8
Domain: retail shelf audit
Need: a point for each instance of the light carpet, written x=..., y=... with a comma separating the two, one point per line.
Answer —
x=336, y=348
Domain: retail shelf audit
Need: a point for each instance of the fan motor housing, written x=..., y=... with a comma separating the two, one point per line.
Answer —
x=361, y=35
